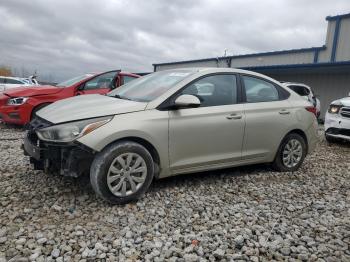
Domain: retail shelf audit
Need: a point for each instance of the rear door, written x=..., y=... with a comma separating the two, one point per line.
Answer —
x=101, y=84
x=212, y=134
x=268, y=117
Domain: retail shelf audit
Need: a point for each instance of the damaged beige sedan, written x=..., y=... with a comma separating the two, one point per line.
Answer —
x=172, y=122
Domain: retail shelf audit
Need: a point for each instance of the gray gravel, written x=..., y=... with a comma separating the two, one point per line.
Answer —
x=249, y=213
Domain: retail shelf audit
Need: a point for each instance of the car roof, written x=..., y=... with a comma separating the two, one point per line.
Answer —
x=208, y=70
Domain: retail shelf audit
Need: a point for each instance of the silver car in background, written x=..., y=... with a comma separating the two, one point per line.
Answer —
x=169, y=123
x=13, y=82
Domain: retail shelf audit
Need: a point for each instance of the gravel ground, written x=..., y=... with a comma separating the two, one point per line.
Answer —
x=249, y=213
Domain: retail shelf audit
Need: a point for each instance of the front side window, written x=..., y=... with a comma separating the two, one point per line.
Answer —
x=149, y=87
x=258, y=90
x=101, y=81
x=215, y=90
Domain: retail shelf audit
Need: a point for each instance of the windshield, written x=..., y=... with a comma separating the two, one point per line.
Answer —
x=74, y=80
x=149, y=87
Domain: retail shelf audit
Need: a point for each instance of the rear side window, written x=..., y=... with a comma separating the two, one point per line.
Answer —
x=300, y=90
x=2, y=80
x=258, y=90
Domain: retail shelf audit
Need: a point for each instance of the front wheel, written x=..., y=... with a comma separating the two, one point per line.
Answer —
x=122, y=172
x=290, y=154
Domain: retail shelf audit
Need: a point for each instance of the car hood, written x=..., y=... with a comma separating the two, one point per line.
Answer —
x=88, y=106
x=32, y=91
x=344, y=101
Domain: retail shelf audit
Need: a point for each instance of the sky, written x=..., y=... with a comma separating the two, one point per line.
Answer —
x=60, y=39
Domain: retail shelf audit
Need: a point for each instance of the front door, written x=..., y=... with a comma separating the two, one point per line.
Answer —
x=212, y=134
x=101, y=84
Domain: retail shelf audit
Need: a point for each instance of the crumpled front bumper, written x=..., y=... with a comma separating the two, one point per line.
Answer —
x=337, y=126
x=67, y=159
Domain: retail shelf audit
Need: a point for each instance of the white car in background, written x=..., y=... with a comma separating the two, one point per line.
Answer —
x=337, y=121
x=7, y=82
x=306, y=92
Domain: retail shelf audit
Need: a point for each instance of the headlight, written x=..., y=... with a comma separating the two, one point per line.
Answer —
x=71, y=131
x=334, y=109
x=17, y=101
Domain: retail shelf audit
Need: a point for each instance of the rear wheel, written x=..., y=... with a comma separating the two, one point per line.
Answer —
x=122, y=172
x=290, y=154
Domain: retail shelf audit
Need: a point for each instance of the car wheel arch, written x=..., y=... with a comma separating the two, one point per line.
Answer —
x=148, y=145
x=295, y=131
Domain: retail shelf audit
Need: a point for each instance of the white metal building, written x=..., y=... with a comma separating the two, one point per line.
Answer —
x=326, y=68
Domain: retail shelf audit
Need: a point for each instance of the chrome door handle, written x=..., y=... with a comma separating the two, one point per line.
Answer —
x=234, y=116
x=284, y=112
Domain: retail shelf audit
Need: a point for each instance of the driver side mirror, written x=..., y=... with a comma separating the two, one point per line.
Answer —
x=187, y=101
x=81, y=87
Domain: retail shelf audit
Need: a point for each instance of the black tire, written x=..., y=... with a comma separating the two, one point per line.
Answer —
x=331, y=139
x=36, y=109
x=278, y=163
x=102, y=163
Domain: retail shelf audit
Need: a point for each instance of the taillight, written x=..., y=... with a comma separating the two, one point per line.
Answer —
x=312, y=109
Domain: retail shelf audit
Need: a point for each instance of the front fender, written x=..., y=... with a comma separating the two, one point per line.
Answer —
x=149, y=125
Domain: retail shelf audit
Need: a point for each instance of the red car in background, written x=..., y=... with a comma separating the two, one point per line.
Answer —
x=18, y=105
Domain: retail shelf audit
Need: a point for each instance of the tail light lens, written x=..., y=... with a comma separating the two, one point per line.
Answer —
x=312, y=109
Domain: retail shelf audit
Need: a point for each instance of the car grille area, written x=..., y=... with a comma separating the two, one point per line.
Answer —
x=345, y=112
x=67, y=159
x=338, y=131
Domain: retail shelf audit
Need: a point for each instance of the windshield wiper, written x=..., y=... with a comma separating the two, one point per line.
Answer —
x=122, y=97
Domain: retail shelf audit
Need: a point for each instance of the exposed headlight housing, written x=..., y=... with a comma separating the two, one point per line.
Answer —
x=71, y=131
x=17, y=101
x=334, y=109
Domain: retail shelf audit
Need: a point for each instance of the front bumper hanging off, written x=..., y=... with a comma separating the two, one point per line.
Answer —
x=67, y=159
